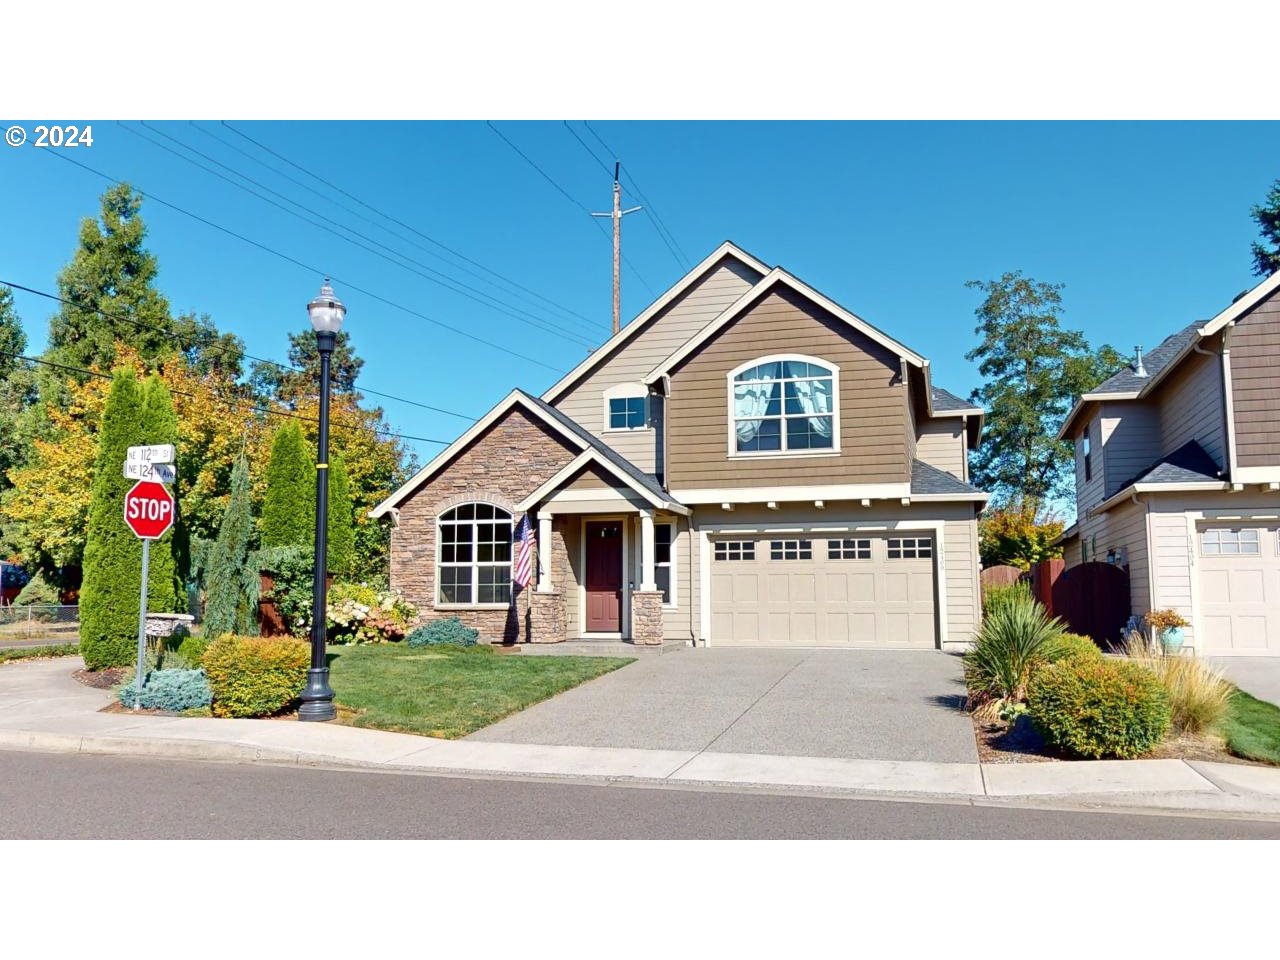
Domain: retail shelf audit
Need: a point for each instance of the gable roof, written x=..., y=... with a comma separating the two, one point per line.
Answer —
x=927, y=481
x=1188, y=468
x=944, y=402
x=650, y=492
x=1164, y=359
x=779, y=277
x=610, y=346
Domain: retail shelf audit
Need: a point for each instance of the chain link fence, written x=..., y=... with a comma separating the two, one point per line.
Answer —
x=37, y=623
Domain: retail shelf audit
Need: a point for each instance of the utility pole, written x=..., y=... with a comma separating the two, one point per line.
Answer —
x=617, y=214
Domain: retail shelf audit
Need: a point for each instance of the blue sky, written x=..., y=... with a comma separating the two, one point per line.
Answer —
x=1146, y=224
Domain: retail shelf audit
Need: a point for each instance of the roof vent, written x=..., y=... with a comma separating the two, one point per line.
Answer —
x=1138, y=369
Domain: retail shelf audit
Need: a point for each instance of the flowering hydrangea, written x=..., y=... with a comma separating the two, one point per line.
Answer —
x=361, y=614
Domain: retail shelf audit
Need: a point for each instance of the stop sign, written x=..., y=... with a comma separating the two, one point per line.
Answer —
x=148, y=509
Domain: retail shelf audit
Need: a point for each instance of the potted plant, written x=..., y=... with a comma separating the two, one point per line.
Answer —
x=1167, y=625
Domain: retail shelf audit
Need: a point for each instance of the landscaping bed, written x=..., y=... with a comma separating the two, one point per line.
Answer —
x=39, y=653
x=445, y=690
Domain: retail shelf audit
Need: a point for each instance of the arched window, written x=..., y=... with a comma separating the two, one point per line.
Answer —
x=474, y=555
x=784, y=404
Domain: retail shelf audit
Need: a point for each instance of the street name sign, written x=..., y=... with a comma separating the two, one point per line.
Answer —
x=151, y=453
x=142, y=470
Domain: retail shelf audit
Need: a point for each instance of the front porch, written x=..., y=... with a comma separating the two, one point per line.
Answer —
x=602, y=539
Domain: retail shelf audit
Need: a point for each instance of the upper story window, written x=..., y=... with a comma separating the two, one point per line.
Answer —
x=784, y=404
x=474, y=550
x=626, y=407
x=1086, y=454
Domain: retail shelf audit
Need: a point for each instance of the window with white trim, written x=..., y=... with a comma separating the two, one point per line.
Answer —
x=910, y=548
x=791, y=550
x=849, y=549
x=626, y=407
x=1230, y=541
x=664, y=535
x=735, y=550
x=782, y=405
x=474, y=557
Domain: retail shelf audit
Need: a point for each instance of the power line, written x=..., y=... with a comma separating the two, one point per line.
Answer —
x=387, y=216
x=546, y=326
x=676, y=251
x=237, y=404
x=565, y=193
x=212, y=338
x=315, y=271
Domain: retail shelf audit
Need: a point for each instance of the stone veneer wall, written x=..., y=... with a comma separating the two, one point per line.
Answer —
x=646, y=616
x=515, y=456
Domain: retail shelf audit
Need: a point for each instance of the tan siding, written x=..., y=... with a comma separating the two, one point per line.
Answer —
x=1191, y=408
x=1130, y=443
x=1255, y=386
x=592, y=477
x=940, y=443
x=873, y=403
x=960, y=569
x=700, y=304
x=1089, y=492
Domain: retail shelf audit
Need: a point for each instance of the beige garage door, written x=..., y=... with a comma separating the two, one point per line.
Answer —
x=1239, y=589
x=874, y=591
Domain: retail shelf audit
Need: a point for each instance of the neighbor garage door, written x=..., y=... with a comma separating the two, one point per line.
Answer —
x=874, y=591
x=1239, y=588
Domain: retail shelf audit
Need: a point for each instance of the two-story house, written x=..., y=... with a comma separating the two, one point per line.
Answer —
x=1177, y=472
x=745, y=462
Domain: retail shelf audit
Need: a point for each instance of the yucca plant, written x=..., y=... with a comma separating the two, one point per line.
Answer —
x=1016, y=637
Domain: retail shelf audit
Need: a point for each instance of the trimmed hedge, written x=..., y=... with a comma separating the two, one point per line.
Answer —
x=1072, y=645
x=451, y=630
x=255, y=676
x=175, y=690
x=1097, y=708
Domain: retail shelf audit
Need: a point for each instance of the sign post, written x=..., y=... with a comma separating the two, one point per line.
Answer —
x=148, y=512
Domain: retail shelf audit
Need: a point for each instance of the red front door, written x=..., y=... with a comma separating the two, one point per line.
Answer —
x=604, y=576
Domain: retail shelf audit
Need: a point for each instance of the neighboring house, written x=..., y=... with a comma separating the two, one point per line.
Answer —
x=1177, y=473
x=744, y=462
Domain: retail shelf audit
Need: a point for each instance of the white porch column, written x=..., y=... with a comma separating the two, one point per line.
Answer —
x=647, y=579
x=544, y=553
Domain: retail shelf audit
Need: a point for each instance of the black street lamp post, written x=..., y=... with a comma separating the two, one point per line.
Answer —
x=326, y=312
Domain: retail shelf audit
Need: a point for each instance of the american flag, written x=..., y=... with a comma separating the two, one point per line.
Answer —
x=526, y=543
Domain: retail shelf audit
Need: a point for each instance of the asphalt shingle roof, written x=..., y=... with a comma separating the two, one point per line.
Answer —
x=1127, y=379
x=1190, y=463
x=946, y=400
x=929, y=479
x=647, y=480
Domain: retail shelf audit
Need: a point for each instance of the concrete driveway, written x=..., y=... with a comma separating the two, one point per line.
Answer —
x=852, y=704
x=1258, y=676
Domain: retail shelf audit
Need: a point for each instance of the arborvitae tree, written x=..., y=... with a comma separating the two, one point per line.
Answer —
x=229, y=606
x=341, y=526
x=289, y=506
x=166, y=588
x=112, y=554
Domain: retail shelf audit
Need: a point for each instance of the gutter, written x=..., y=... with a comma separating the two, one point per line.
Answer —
x=1191, y=486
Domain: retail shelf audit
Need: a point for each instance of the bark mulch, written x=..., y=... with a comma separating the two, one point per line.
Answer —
x=101, y=679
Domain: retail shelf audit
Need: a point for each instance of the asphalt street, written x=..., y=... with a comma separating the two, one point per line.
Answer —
x=97, y=797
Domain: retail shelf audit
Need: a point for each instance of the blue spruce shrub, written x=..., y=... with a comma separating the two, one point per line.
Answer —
x=452, y=631
x=174, y=690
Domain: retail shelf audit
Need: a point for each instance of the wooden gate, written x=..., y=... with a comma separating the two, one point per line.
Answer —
x=1093, y=599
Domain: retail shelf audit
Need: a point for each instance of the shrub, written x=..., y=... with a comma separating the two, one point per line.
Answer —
x=1071, y=645
x=255, y=676
x=1098, y=708
x=192, y=649
x=1199, y=696
x=38, y=592
x=175, y=690
x=451, y=630
x=1013, y=641
x=291, y=569
x=998, y=594
x=360, y=614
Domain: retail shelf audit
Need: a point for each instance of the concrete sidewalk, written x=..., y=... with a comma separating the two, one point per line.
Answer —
x=43, y=708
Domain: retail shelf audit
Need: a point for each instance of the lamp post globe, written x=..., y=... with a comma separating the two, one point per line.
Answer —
x=326, y=312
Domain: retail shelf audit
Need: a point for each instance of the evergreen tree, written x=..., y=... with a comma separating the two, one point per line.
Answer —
x=1266, y=252
x=17, y=391
x=289, y=506
x=170, y=560
x=229, y=606
x=288, y=385
x=341, y=526
x=112, y=554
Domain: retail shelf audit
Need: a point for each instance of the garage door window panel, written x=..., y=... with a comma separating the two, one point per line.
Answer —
x=735, y=550
x=910, y=548
x=791, y=550
x=856, y=549
x=1230, y=542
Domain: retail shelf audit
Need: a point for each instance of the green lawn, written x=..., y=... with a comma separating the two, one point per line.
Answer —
x=1252, y=728
x=448, y=691
x=39, y=653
